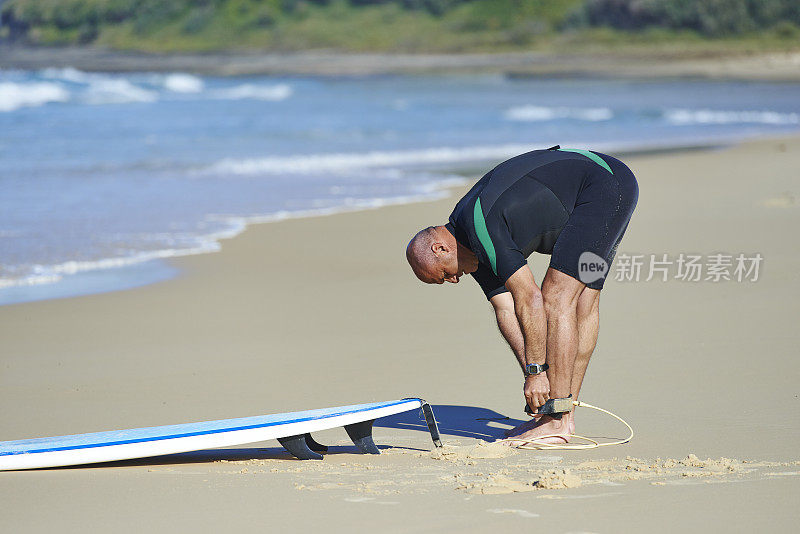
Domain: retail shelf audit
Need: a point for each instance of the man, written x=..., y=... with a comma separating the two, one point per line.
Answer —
x=572, y=204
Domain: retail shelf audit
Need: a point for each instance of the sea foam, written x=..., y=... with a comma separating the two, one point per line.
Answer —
x=47, y=274
x=274, y=93
x=543, y=113
x=95, y=88
x=232, y=226
x=684, y=117
x=117, y=91
x=183, y=83
x=344, y=162
x=67, y=74
x=14, y=95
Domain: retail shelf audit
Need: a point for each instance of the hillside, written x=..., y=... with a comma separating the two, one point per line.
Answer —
x=411, y=26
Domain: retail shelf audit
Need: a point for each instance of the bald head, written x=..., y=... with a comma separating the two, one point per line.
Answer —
x=433, y=256
x=419, y=253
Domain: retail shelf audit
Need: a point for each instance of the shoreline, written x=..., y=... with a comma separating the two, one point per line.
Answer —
x=138, y=273
x=773, y=66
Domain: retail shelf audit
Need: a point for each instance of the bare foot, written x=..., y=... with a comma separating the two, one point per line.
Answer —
x=558, y=431
x=523, y=427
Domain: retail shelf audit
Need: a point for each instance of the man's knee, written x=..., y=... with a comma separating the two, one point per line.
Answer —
x=560, y=292
x=588, y=304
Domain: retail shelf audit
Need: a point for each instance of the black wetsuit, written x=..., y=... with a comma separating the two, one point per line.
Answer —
x=562, y=202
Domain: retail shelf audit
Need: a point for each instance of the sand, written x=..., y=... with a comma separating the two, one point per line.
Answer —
x=318, y=312
x=725, y=65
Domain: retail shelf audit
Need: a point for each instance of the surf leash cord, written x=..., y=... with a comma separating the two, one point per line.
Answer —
x=536, y=444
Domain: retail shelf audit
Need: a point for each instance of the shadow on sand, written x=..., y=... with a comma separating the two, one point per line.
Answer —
x=459, y=421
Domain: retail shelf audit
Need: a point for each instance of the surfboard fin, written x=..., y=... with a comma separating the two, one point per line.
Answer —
x=361, y=434
x=314, y=446
x=299, y=447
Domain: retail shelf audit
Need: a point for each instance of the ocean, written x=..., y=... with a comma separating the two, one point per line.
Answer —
x=103, y=176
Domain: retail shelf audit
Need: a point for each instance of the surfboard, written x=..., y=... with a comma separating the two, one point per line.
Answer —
x=292, y=430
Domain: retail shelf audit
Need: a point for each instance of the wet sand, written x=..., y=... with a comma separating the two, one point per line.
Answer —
x=318, y=312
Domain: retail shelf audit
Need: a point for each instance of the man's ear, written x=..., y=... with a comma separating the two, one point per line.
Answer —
x=439, y=248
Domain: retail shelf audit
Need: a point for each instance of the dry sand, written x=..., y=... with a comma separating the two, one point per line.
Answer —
x=774, y=66
x=321, y=312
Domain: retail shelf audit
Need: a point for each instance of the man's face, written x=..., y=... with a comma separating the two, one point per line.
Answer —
x=445, y=269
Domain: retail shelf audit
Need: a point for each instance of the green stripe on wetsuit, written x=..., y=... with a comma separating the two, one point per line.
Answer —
x=591, y=155
x=483, y=234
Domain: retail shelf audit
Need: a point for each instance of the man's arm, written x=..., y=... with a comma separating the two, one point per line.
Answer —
x=529, y=311
x=508, y=324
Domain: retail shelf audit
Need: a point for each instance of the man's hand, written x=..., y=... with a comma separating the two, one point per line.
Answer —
x=536, y=390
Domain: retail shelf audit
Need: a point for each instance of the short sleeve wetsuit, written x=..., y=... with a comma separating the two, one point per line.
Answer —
x=561, y=202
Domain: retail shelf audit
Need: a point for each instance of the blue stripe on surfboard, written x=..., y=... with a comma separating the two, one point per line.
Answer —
x=159, y=433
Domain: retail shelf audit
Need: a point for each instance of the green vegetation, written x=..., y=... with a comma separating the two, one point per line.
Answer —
x=712, y=18
x=399, y=25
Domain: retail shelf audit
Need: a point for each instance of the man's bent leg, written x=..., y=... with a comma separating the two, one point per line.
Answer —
x=588, y=325
x=561, y=294
x=588, y=313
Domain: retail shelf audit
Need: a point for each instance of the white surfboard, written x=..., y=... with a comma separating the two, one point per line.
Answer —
x=291, y=429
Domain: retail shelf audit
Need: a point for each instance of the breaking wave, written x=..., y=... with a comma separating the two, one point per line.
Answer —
x=100, y=88
x=683, y=117
x=344, y=162
x=183, y=83
x=15, y=95
x=97, y=88
x=117, y=91
x=273, y=93
x=543, y=113
x=67, y=74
